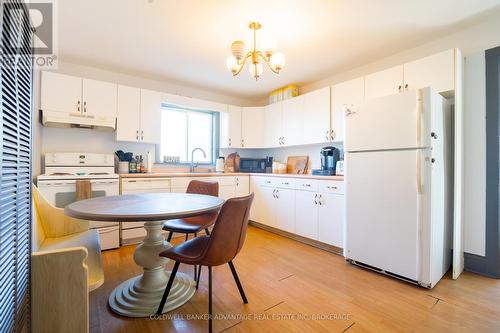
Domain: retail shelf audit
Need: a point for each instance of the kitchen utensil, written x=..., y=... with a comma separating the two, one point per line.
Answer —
x=297, y=164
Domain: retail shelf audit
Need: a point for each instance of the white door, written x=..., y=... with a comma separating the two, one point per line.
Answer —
x=285, y=214
x=242, y=186
x=273, y=124
x=224, y=129
x=234, y=128
x=252, y=131
x=436, y=71
x=150, y=116
x=99, y=99
x=269, y=206
x=383, y=83
x=128, y=116
x=61, y=93
x=293, y=121
x=331, y=219
x=306, y=214
x=383, y=123
x=382, y=210
x=226, y=192
x=316, y=116
x=346, y=96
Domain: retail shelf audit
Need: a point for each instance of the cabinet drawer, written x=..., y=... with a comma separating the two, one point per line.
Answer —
x=331, y=187
x=284, y=182
x=160, y=184
x=223, y=181
x=264, y=181
x=180, y=182
x=306, y=184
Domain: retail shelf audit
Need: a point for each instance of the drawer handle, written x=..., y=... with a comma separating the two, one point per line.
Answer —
x=332, y=187
x=286, y=183
x=306, y=185
x=268, y=182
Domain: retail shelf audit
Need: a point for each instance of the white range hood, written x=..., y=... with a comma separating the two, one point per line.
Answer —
x=77, y=120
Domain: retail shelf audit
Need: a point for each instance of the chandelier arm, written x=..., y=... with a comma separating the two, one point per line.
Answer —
x=268, y=63
x=248, y=55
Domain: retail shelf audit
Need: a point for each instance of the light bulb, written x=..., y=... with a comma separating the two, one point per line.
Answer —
x=256, y=70
x=278, y=61
x=232, y=64
x=238, y=49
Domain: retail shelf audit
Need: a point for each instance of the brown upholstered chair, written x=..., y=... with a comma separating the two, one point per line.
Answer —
x=195, y=224
x=226, y=240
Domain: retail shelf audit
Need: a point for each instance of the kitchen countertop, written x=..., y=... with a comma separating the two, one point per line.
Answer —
x=216, y=174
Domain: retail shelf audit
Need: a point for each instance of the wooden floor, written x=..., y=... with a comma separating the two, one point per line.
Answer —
x=289, y=285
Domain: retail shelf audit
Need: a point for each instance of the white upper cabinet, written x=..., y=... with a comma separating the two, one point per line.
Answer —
x=292, y=121
x=150, y=120
x=316, y=116
x=74, y=95
x=61, y=93
x=252, y=132
x=346, y=96
x=273, y=125
x=383, y=83
x=99, y=99
x=436, y=71
x=128, y=113
x=234, y=126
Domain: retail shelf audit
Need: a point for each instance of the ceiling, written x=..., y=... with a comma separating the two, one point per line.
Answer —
x=187, y=42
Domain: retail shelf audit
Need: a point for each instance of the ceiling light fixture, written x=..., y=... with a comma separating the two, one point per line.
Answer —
x=236, y=62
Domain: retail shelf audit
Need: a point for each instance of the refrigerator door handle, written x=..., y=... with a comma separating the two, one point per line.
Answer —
x=420, y=110
x=419, y=172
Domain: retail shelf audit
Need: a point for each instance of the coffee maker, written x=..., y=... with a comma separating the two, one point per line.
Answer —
x=329, y=157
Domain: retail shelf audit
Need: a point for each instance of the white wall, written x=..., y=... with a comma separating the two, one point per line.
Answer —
x=473, y=41
x=47, y=139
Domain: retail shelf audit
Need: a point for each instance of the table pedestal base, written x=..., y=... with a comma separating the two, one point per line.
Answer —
x=140, y=296
x=129, y=300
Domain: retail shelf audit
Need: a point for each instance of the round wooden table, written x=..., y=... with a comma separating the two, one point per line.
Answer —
x=141, y=295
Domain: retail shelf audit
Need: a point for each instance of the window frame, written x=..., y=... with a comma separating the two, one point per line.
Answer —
x=215, y=136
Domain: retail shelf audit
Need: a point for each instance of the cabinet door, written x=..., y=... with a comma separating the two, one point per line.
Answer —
x=128, y=116
x=331, y=219
x=150, y=116
x=252, y=131
x=436, y=71
x=293, y=121
x=273, y=124
x=268, y=208
x=99, y=98
x=345, y=95
x=242, y=186
x=306, y=214
x=61, y=93
x=256, y=211
x=383, y=83
x=283, y=210
x=234, y=128
x=316, y=118
x=226, y=192
x=224, y=129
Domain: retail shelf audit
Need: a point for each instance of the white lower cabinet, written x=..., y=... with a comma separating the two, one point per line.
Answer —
x=306, y=214
x=307, y=207
x=331, y=219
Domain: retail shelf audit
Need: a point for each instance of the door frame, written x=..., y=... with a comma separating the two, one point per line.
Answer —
x=491, y=264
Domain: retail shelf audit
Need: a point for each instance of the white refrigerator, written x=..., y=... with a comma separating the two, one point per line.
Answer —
x=399, y=183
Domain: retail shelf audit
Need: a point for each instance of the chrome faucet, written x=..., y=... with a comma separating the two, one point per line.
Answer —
x=191, y=169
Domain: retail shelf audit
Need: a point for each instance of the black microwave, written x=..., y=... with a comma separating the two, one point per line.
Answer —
x=253, y=165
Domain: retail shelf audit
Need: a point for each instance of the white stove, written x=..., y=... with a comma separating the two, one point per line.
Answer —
x=58, y=185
